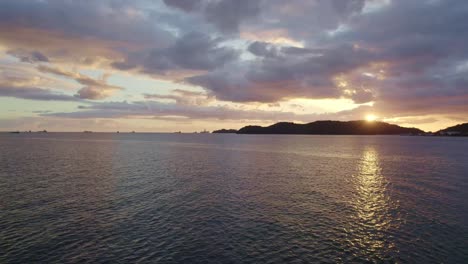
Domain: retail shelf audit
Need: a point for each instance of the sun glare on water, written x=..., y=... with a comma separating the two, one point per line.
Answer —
x=371, y=117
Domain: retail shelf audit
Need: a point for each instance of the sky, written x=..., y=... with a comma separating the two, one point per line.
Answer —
x=190, y=65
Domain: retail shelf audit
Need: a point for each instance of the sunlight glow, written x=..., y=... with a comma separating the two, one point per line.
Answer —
x=371, y=117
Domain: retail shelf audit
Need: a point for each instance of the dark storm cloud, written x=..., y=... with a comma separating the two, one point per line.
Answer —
x=184, y=4
x=226, y=15
x=229, y=15
x=346, y=7
x=263, y=49
x=194, y=51
x=306, y=20
x=278, y=74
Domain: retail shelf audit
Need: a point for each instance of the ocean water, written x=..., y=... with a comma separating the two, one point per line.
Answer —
x=208, y=198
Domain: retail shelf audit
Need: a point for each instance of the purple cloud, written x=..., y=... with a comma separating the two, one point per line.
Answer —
x=93, y=89
x=34, y=93
x=408, y=57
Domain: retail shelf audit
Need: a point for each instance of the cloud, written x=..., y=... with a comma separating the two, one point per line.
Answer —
x=228, y=14
x=416, y=121
x=183, y=97
x=183, y=4
x=93, y=89
x=150, y=109
x=38, y=84
x=81, y=32
x=404, y=52
x=107, y=19
x=154, y=109
x=33, y=93
x=278, y=75
x=225, y=15
x=25, y=82
x=28, y=56
x=407, y=57
x=304, y=20
x=192, y=51
x=39, y=123
x=94, y=93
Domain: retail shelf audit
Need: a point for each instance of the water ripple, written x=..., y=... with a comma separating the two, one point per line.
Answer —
x=149, y=198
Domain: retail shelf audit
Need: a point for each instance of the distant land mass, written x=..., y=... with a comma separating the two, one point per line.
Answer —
x=225, y=131
x=359, y=127
x=329, y=127
x=461, y=129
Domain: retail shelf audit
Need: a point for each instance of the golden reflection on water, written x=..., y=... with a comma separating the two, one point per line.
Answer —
x=371, y=204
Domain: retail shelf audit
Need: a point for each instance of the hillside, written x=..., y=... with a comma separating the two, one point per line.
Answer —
x=331, y=128
x=463, y=128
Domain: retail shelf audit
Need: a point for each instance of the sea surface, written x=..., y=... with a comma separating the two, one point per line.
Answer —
x=213, y=198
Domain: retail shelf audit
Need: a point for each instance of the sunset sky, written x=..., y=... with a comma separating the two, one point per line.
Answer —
x=189, y=65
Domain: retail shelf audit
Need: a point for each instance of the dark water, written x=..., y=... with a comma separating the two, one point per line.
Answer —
x=205, y=198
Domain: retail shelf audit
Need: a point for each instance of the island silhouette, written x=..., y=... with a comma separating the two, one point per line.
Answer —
x=225, y=131
x=328, y=127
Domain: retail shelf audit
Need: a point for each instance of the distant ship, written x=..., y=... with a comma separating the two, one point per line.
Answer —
x=14, y=132
x=205, y=131
x=87, y=131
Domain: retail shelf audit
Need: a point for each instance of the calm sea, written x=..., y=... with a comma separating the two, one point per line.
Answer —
x=207, y=198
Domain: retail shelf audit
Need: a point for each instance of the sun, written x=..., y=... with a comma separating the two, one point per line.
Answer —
x=371, y=117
